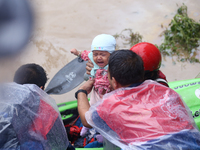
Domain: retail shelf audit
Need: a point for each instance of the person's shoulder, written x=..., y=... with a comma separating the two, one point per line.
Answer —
x=161, y=75
x=155, y=84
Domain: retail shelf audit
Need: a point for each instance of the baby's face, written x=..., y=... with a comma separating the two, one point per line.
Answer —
x=101, y=58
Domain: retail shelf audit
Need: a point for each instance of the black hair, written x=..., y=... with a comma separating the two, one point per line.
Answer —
x=31, y=74
x=126, y=67
x=152, y=75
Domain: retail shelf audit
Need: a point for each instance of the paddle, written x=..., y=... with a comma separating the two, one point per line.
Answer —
x=67, y=78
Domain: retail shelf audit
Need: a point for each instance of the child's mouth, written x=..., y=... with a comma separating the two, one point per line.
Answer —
x=100, y=64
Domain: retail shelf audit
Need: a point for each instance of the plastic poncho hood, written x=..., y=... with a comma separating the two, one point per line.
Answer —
x=29, y=119
x=150, y=116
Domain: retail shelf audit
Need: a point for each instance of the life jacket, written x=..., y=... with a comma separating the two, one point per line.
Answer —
x=73, y=131
x=162, y=79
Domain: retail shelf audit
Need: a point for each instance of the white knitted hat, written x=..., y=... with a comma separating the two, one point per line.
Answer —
x=104, y=42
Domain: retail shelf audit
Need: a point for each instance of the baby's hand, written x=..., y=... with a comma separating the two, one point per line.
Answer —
x=74, y=51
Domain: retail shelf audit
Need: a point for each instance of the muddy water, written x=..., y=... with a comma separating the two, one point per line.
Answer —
x=62, y=25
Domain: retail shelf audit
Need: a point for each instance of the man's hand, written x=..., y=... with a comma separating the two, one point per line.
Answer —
x=88, y=85
x=89, y=66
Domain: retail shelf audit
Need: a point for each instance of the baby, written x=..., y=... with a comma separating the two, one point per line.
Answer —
x=102, y=46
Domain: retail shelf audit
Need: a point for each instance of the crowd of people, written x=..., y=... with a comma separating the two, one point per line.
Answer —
x=131, y=104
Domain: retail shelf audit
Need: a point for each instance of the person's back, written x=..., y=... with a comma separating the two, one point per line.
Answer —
x=142, y=115
x=30, y=117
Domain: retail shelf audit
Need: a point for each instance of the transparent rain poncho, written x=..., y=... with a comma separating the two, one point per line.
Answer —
x=148, y=117
x=29, y=119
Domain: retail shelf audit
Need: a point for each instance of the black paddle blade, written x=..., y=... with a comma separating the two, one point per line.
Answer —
x=69, y=77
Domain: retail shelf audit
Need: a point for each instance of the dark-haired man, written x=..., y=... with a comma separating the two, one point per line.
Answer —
x=31, y=74
x=30, y=118
x=138, y=114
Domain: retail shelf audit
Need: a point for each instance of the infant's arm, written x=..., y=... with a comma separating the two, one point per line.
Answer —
x=75, y=52
x=82, y=54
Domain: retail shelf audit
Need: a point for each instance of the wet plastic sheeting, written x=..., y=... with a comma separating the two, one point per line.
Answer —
x=149, y=116
x=29, y=119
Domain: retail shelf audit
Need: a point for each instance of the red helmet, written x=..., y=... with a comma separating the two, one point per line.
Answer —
x=150, y=55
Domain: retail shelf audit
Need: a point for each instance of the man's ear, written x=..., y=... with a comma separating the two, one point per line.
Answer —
x=42, y=87
x=115, y=84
